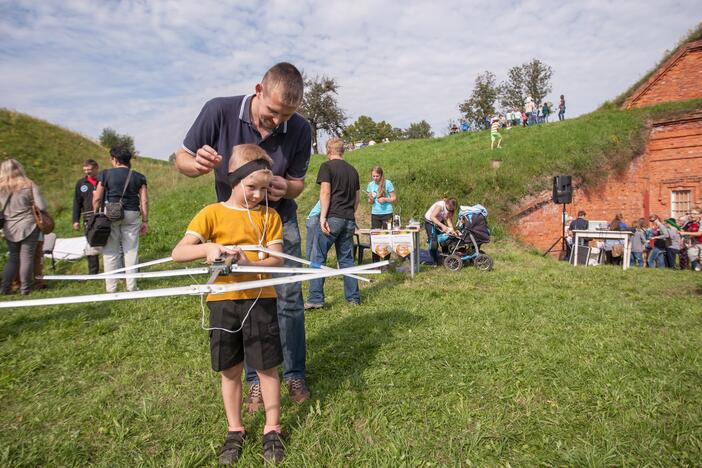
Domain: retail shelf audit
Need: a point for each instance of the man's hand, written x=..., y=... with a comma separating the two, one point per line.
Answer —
x=206, y=159
x=324, y=226
x=144, y=228
x=278, y=188
x=76, y=226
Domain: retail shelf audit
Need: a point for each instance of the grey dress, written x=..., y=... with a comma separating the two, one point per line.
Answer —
x=19, y=219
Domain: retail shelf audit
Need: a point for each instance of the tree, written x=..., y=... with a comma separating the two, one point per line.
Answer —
x=364, y=129
x=320, y=107
x=513, y=91
x=529, y=79
x=420, y=129
x=110, y=138
x=537, y=79
x=481, y=104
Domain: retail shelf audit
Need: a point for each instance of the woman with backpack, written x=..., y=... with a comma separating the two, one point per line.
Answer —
x=17, y=195
x=123, y=195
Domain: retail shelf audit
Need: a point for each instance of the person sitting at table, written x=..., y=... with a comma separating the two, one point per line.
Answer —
x=614, y=248
x=439, y=218
x=381, y=195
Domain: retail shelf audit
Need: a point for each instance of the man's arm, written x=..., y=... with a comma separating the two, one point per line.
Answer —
x=97, y=196
x=285, y=187
x=144, y=206
x=77, y=206
x=204, y=161
x=355, y=203
x=324, y=199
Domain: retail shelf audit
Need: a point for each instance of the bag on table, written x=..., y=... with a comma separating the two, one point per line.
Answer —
x=617, y=250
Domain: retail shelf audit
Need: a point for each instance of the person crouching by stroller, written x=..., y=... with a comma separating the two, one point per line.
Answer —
x=439, y=218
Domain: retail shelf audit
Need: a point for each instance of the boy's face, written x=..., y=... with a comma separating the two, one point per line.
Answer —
x=252, y=189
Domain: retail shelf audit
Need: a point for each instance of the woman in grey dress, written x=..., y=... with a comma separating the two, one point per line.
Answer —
x=17, y=191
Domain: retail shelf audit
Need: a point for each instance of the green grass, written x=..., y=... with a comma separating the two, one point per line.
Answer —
x=533, y=363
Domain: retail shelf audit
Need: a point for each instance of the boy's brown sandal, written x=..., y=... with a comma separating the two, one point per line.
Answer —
x=231, y=450
x=273, y=449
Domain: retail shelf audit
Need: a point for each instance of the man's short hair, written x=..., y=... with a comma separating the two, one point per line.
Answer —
x=335, y=146
x=288, y=80
x=581, y=214
x=90, y=162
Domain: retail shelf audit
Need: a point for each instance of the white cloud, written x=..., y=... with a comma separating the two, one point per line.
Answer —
x=146, y=68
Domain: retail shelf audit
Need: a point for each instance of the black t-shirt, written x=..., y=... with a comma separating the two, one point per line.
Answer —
x=343, y=178
x=114, y=179
x=225, y=122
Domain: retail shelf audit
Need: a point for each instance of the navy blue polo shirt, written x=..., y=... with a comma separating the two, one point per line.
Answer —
x=225, y=122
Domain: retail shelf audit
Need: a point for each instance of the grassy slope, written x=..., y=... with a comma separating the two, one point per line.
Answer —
x=535, y=362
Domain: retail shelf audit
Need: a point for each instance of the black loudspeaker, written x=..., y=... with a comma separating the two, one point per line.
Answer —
x=562, y=189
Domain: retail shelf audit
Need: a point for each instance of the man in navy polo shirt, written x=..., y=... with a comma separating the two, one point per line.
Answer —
x=268, y=119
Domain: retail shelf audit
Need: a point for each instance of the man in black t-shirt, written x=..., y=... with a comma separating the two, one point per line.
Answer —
x=338, y=195
x=83, y=205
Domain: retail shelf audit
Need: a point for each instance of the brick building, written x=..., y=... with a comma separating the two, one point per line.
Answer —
x=666, y=179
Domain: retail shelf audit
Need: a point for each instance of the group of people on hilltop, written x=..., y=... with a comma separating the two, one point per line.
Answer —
x=658, y=243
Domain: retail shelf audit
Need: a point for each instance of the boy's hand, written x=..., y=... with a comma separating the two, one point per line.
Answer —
x=278, y=188
x=215, y=251
x=240, y=258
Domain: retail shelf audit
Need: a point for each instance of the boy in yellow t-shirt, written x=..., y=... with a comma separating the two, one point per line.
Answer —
x=244, y=324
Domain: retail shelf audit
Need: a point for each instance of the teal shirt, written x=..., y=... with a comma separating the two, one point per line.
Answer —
x=316, y=210
x=380, y=208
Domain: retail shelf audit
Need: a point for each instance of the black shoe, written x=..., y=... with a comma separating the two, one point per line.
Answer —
x=231, y=450
x=273, y=449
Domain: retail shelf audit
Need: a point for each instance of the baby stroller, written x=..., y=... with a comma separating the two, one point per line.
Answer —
x=473, y=232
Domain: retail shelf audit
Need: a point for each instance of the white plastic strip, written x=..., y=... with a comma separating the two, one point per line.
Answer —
x=299, y=260
x=134, y=267
x=189, y=290
x=188, y=272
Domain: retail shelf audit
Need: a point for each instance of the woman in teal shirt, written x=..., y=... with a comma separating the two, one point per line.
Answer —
x=381, y=195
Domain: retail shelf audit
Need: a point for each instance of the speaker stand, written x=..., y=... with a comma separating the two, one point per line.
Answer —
x=561, y=239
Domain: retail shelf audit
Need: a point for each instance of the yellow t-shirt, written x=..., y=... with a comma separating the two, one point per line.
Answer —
x=223, y=224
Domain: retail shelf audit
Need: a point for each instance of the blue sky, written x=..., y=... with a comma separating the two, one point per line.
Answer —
x=145, y=67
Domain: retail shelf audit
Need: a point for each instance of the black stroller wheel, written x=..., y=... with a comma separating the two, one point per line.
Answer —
x=483, y=262
x=453, y=263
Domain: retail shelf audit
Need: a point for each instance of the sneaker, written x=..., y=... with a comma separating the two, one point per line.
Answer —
x=231, y=450
x=298, y=391
x=354, y=303
x=273, y=449
x=254, y=401
x=309, y=305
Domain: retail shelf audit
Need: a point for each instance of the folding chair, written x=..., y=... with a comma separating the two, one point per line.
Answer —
x=48, y=248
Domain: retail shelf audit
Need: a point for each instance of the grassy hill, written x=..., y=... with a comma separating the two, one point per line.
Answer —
x=535, y=363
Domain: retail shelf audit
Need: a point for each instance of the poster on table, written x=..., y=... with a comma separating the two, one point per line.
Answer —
x=383, y=243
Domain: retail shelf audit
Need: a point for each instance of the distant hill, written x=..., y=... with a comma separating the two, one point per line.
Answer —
x=588, y=147
x=53, y=157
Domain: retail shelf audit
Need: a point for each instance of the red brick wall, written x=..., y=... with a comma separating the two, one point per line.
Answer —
x=672, y=161
x=678, y=79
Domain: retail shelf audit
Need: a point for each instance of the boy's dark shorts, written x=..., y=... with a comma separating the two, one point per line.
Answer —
x=258, y=341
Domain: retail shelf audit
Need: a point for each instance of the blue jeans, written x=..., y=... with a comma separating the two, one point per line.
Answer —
x=341, y=238
x=636, y=259
x=312, y=225
x=291, y=312
x=672, y=257
x=531, y=118
x=432, y=239
x=656, y=256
